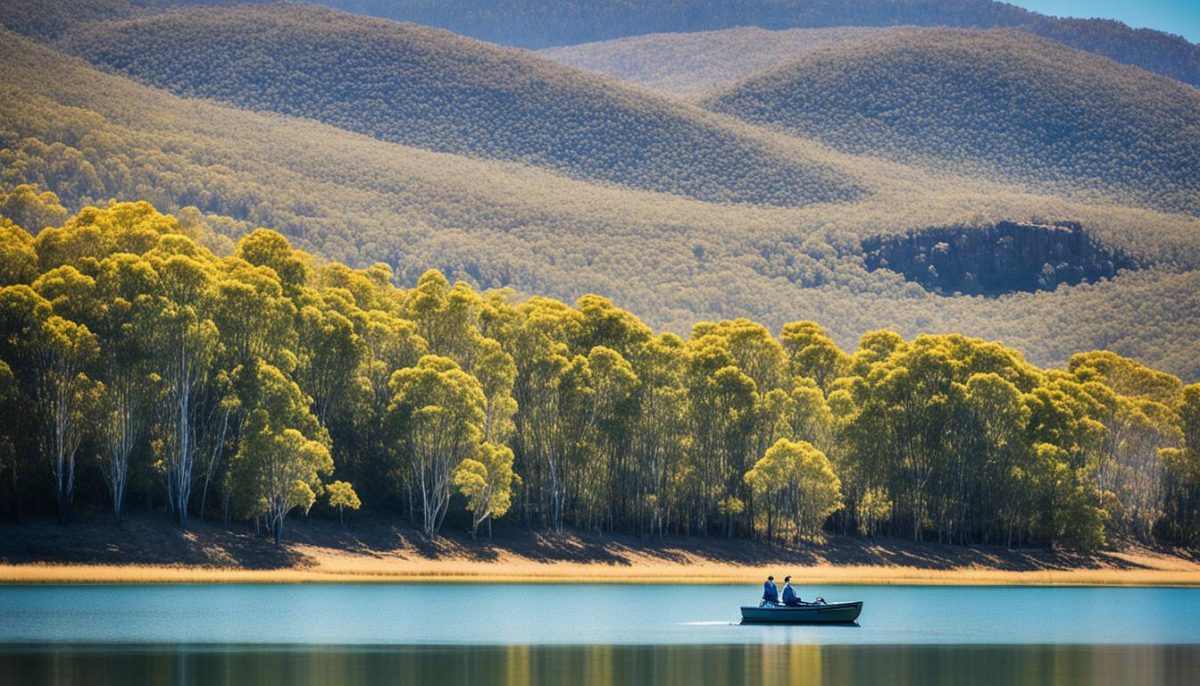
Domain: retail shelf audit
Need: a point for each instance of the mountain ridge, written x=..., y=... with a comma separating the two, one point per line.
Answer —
x=537, y=24
x=988, y=102
x=431, y=89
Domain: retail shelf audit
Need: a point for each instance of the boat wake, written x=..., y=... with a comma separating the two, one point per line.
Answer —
x=707, y=623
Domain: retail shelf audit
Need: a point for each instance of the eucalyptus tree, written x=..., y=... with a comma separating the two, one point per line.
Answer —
x=486, y=481
x=548, y=382
x=995, y=419
x=1182, y=465
x=283, y=451
x=51, y=356
x=812, y=354
x=602, y=422
x=436, y=421
x=18, y=259
x=185, y=342
x=721, y=413
x=659, y=435
x=330, y=355
x=796, y=484
x=266, y=248
x=447, y=317
x=392, y=344
x=127, y=290
x=341, y=495
x=1067, y=439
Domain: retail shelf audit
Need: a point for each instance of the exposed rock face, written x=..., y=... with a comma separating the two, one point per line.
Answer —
x=995, y=260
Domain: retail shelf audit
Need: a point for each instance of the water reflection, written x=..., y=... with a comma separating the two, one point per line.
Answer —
x=601, y=665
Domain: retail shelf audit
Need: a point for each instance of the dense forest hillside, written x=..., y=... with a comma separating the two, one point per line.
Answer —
x=128, y=364
x=545, y=23
x=433, y=90
x=990, y=102
x=686, y=64
x=90, y=136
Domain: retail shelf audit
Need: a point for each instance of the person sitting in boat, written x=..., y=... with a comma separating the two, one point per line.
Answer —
x=770, y=593
x=792, y=599
x=789, y=594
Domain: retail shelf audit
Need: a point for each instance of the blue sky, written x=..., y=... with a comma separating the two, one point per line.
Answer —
x=1180, y=17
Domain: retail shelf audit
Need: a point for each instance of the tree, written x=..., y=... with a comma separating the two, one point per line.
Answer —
x=283, y=451
x=9, y=395
x=267, y=248
x=812, y=354
x=18, y=259
x=330, y=355
x=342, y=496
x=185, y=342
x=1182, y=481
x=486, y=481
x=548, y=381
x=446, y=316
x=796, y=482
x=52, y=355
x=32, y=210
x=126, y=288
x=436, y=419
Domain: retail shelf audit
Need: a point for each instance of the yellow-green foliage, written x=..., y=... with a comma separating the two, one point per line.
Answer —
x=262, y=373
x=795, y=482
x=341, y=495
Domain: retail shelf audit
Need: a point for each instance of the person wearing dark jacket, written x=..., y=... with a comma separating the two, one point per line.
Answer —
x=770, y=593
x=789, y=594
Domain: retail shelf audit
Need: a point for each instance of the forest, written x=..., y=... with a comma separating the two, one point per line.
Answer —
x=995, y=104
x=90, y=136
x=689, y=64
x=538, y=24
x=253, y=382
x=431, y=89
x=544, y=23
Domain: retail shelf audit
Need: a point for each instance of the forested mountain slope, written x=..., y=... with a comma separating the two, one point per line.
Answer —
x=430, y=89
x=87, y=135
x=686, y=64
x=545, y=23
x=990, y=102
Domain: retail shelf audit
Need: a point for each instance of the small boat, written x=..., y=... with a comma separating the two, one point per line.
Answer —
x=816, y=613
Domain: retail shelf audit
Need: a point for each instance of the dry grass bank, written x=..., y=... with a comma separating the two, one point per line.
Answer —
x=151, y=549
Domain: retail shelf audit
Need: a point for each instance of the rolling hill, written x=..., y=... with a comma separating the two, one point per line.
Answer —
x=687, y=64
x=989, y=103
x=88, y=135
x=434, y=90
x=547, y=23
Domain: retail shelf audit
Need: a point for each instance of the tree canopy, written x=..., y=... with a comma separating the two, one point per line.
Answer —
x=263, y=373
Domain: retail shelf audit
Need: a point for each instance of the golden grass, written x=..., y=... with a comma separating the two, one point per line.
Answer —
x=460, y=571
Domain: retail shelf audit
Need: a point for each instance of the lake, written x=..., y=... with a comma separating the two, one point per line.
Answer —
x=512, y=634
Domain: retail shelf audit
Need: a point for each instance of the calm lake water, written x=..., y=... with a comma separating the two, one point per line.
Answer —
x=589, y=634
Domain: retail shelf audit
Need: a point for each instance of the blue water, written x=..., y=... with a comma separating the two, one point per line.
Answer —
x=532, y=615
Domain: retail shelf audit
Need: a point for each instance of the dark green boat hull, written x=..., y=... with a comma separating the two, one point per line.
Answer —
x=831, y=613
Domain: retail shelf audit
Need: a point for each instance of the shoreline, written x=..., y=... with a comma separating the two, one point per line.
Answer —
x=36, y=574
x=152, y=549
